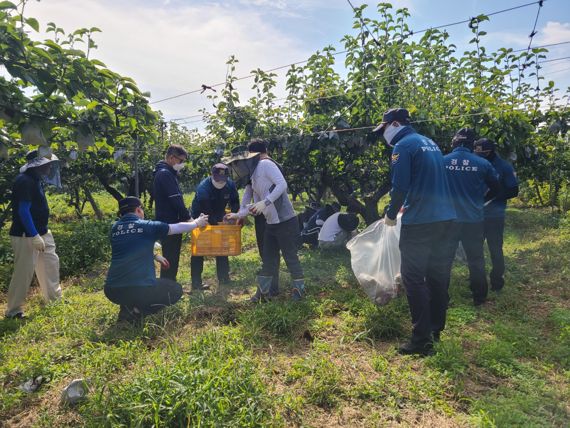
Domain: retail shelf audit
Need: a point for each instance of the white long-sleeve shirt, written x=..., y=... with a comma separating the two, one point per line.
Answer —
x=267, y=183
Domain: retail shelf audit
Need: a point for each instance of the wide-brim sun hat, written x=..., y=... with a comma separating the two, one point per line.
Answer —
x=34, y=161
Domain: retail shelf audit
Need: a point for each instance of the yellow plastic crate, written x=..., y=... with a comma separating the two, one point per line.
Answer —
x=219, y=240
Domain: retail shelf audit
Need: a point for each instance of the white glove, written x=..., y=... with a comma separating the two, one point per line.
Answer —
x=38, y=243
x=201, y=221
x=389, y=222
x=258, y=208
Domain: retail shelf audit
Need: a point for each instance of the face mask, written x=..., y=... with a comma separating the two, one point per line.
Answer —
x=218, y=184
x=178, y=167
x=390, y=132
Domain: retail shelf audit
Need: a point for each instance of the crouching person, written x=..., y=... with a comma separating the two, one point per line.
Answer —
x=131, y=281
x=337, y=230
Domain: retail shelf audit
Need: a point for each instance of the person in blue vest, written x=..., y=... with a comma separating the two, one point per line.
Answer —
x=169, y=204
x=419, y=183
x=31, y=239
x=131, y=280
x=495, y=207
x=213, y=195
x=471, y=178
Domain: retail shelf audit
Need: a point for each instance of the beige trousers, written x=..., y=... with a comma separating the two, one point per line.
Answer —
x=26, y=261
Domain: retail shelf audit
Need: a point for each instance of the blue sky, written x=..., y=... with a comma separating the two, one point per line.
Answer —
x=173, y=46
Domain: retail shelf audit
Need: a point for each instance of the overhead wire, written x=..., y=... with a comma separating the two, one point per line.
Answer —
x=342, y=94
x=340, y=52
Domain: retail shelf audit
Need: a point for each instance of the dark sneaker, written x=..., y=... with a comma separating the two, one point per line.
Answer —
x=201, y=287
x=131, y=315
x=411, y=348
x=479, y=302
x=17, y=316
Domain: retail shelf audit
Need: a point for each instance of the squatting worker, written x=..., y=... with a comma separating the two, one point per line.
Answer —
x=32, y=241
x=269, y=190
x=169, y=204
x=495, y=208
x=419, y=182
x=470, y=179
x=131, y=281
x=337, y=230
x=213, y=195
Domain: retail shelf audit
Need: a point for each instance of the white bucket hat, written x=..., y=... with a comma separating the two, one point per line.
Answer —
x=34, y=159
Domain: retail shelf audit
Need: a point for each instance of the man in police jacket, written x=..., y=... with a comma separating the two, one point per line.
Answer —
x=470, y=178
x=495, y=208
x=419, y=183
x=131, y=282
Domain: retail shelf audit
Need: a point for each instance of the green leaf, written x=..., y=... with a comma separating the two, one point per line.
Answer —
x=7, y=5
x=33, y=22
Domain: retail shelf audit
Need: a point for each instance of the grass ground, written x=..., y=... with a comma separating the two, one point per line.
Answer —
x=214, y=359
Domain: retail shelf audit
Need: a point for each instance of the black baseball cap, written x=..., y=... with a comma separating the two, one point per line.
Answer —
x=400, y=115
x=464, y=137
x=128, y=203
x=485, y=145
x=220, y=172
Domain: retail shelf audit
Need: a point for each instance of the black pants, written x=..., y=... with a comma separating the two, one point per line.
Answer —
x=494, y=229
x=197, y=266
x=471, y=237
x=171, y=245
x=260, y=224
x=281, y=237
x=148, y=300
x=425, y=269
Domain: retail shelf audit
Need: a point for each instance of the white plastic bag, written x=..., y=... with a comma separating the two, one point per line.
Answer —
x=375, y=259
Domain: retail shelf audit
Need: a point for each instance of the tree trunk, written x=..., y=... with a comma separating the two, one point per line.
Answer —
x=537, y=190
x=89, y=197
x=110, y=189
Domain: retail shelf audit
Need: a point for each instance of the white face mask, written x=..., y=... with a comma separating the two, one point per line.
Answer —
x=178, y=167
x=218, y=184
x=390, y=132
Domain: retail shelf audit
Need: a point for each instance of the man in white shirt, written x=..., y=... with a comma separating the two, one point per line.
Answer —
x=337, y=230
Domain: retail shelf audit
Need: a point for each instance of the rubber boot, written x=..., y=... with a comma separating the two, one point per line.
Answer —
x=298, y=289
x=263, y=288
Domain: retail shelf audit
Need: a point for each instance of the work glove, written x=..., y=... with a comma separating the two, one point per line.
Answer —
x=38, y=243
x=201, y=221
x=231, y=217
x=258, y=208
x=165, y=264
x=390, y=222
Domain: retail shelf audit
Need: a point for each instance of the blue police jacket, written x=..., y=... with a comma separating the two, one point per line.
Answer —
x=132, y=249
x=508, y=188
x=211, y=201
x=169, y=203
x=419, y=180
x=470, y=177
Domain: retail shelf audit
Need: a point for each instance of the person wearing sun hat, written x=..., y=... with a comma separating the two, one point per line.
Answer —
x=32, y=241
x=213, y=195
